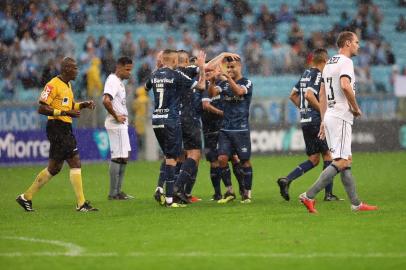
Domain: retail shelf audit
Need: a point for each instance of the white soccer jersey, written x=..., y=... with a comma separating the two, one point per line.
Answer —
x=337, y=104
x=115, y=88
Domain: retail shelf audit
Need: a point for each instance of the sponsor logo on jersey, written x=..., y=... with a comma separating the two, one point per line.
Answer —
x=45, y=93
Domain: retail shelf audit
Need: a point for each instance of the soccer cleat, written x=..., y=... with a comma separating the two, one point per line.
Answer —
x=159, y=197
x=309, y=203
x=26, y=204
x=86, y=207
x=175, y=205
x=180, y=197
x=330, y=197
x=284, y=188
x=228, y=197
x=123, y=196
x=364, y=207
x=245, y=199
x=193, y=199
x=216, y=197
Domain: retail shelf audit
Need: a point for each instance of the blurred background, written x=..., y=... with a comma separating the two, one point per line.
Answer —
x=275, y=39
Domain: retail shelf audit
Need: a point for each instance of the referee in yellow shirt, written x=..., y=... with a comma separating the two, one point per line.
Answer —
x=57, y=102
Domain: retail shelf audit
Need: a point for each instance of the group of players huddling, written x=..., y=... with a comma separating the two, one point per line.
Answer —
x=191, y=97
x=219, y=101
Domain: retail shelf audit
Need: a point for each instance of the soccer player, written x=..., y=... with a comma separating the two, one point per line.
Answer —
x=338, y=107
x=191, y=132
x=305, y=95
x=167, y=85
x=57, y=102
x=116, y=124
x=234, y=136
x=212, y=120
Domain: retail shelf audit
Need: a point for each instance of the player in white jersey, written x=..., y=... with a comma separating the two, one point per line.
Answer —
x=338, y=107
x=116, y=124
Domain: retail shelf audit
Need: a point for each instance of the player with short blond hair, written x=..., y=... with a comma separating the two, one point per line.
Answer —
x=338, y=108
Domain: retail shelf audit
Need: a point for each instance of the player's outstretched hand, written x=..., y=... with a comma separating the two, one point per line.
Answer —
x=89, y=104
x=201, y=59
x=73, y=113
x=322, y=134
x=121, y=119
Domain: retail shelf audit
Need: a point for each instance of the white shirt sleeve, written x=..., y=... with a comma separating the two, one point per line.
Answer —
x=110, y=87
x=347, y=70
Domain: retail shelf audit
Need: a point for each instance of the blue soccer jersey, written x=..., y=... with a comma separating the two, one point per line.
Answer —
x=211, y=122
x=236, y=108
x=188, y=108
x=168, y=85
x=310, y=81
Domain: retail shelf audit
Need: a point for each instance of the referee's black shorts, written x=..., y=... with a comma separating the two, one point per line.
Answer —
x=63, y=144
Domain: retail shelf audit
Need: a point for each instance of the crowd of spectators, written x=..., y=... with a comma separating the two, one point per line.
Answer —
x=35, y=35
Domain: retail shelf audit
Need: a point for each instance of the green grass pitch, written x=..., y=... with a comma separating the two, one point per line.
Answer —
x=267, y=234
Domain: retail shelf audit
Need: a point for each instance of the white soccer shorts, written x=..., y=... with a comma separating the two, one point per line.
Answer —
x=119, y=142
x=338, y=136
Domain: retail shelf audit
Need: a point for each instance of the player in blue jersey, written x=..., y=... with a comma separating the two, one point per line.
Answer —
x=190, y=111
x=212, y=120
x=305, y=95
x=167, y=85
x=234, y=136
x=191, y=133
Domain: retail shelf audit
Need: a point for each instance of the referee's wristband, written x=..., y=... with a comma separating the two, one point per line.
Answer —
x=57, y=112
x=76, y=107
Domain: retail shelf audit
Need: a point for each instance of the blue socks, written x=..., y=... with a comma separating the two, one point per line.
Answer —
x=161, y=179
x=215, y=176
x=226, y=176
x=192, y=180
x=239, y=175
x=169, y=179
x=186, y=172
x=247, y=171
x=300, y=170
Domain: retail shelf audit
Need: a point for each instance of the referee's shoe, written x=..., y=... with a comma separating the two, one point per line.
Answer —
x=86, y=207
x=26, y=204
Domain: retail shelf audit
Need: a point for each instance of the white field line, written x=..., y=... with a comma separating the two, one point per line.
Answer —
x=73, y=250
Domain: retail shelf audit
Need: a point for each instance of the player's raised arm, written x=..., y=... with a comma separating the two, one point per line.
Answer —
x=216, y=61
x=345, y=84
x=201, y=59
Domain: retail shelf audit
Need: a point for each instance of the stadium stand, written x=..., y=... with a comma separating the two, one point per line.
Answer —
x=282, y=53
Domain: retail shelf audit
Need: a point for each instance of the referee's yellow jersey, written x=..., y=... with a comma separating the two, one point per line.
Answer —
x=58, y=95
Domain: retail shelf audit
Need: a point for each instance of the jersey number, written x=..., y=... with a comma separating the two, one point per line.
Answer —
x=330, y=82
x=161, y=96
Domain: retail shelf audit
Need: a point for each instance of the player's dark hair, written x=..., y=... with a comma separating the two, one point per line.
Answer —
x=343, y=37
x=122, y=61
x=183, y=51
x=230, y=59
x=320, y=55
